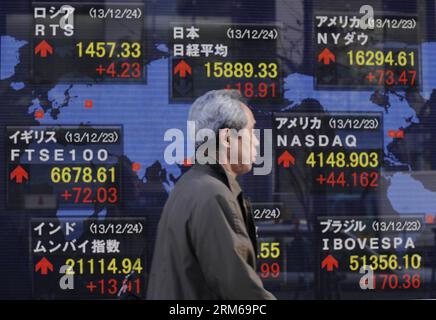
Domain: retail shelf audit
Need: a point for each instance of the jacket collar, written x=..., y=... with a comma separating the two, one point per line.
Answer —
x=218, y=171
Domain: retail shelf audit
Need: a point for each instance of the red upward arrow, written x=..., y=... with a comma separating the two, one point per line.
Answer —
x=326, y=56
x=182, y=68
x=329, y=262
x=44, y=265
x=286, y=158
x=18, y=174
x=43, y=48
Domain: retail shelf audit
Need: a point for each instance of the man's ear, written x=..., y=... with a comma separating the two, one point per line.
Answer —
x=224, y=137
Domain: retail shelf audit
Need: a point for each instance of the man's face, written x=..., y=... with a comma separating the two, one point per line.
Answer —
x=247, y=143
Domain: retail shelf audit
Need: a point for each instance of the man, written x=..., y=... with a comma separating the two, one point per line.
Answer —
x=206, y=241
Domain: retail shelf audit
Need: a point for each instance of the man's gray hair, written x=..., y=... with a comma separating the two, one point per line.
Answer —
x=217, y=109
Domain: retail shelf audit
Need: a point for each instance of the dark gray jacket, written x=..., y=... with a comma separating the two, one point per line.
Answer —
x=206, y=244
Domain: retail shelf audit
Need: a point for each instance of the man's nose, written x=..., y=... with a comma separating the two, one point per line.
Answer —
x=256, y=141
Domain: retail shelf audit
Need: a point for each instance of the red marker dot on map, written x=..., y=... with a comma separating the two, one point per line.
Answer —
x=88, y=104
x=39, y=114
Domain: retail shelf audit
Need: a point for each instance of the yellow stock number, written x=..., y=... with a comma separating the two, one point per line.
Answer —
x=269, y=250
x=385, y=262
x=241, y=70
x=341, y=159
x=381, y=58
x=109, y=49
x=102, y=266
x=82, y=175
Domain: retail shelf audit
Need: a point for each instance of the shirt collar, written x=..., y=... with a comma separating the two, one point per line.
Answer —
x=231, y=180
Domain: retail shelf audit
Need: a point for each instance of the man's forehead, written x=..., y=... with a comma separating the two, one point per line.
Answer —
x=248, y=112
